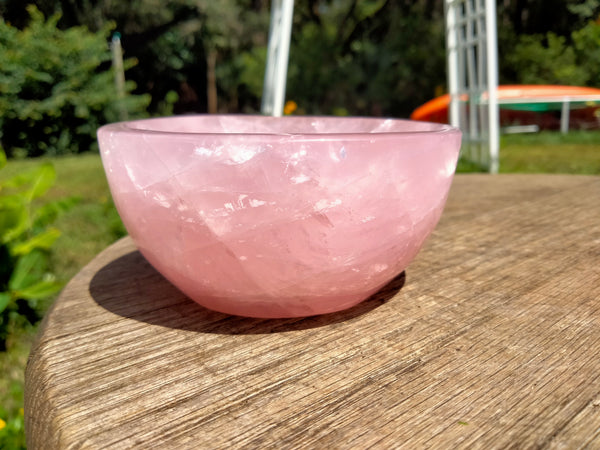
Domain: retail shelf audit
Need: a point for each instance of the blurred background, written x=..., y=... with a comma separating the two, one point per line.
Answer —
x=58, y=84
x=347, y=57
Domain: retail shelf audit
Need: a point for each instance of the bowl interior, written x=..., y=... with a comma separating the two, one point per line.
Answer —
x=265, y=125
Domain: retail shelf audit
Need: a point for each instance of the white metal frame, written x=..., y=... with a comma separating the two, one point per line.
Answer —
x=472, y=57
x=280, y=31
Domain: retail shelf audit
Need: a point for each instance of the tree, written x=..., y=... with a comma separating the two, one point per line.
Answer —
x=549, y=42
x=361, y=58
x=57, y=87
x=181, y=46
x=368, y=57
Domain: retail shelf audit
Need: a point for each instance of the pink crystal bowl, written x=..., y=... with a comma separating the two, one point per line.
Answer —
x=279, y=217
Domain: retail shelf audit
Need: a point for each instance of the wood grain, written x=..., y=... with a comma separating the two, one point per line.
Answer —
x=490, y=340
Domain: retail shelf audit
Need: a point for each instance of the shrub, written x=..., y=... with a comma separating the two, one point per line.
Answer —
x=547, y=60
x=12, y=430
x=586, y=41
x=57, y=87
x=554, y=59
x=26, y=236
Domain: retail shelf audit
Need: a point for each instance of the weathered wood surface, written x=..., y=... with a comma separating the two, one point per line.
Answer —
x=492, y=341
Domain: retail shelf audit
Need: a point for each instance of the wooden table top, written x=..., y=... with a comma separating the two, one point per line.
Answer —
x=491, y=339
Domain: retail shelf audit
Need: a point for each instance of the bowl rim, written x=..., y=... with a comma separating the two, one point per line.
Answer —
x=126, y=127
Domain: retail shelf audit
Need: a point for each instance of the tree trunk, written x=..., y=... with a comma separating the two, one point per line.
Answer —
x=211, y=81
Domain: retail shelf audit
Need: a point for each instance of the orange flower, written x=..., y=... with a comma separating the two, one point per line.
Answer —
x=289, y=107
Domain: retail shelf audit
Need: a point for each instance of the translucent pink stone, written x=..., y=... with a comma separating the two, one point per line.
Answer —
x=279, y=217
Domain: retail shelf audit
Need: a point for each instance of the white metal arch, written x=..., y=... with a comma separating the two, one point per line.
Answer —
x=472, y=56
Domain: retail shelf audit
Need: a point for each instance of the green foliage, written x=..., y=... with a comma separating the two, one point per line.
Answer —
x=12, y=364
x=251, y=66
x=12, y=430
x=584, y=9
x=26, y=236
x=567, y=55
x=56, y=87
x=372, y=57
x=360, y=58
x=171, y=39
x=547, y=60
x=586, y=42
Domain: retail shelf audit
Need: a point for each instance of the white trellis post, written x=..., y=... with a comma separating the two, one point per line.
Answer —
x=117, y=62
x=472, y=56
x=282, y=12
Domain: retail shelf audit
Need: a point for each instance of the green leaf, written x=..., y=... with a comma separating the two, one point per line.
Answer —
x=20, y=179
x=28, y=269
x=46, y=214
x=38, y=179
x=2, y=158
x=4, y=300
x=13, y=217
x=40, y=241
x=369, y=8
x=39, y=290
x=44, y=179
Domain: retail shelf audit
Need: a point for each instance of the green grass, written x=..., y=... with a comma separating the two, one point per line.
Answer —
x=577, y=152
x=93, y=224
x=549, y=152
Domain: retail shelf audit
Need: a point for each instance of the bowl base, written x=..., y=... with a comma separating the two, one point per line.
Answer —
x=284, y=309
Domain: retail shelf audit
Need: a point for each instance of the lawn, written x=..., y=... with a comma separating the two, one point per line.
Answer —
x=550, y=152
x=93, y=224
x=547, y=152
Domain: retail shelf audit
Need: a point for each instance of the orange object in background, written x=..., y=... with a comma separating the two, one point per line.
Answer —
x=435, y=110
x=529, y=104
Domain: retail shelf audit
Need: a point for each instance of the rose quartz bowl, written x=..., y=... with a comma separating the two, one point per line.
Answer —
x=279, y=217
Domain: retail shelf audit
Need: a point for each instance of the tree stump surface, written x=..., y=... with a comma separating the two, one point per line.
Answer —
x=491, y=339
